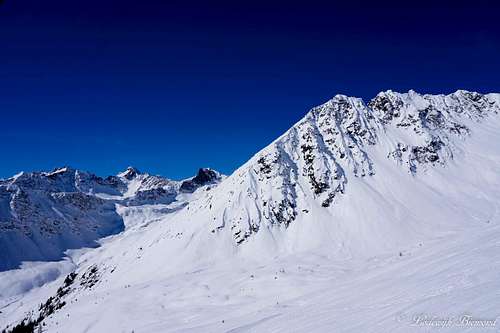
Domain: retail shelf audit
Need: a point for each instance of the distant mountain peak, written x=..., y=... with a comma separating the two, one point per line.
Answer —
x=204, y=176
x=76, y=207
x=351, y=180
x=58, y=171
x=130, y=173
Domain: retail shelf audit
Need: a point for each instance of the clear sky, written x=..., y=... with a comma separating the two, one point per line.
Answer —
x=171, y=86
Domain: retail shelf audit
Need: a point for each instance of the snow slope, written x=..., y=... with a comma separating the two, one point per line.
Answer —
x=350, y=178
x=42, y=214
x=360, y=218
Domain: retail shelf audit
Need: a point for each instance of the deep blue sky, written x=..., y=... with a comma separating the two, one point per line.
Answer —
x=170, y=86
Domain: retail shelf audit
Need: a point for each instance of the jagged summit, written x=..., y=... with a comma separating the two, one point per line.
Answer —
x=49, y=212
x=58, y=171
x=130, y=173
x=378, y=183
x=204, y=176
x=314, y=166
x=307, y=174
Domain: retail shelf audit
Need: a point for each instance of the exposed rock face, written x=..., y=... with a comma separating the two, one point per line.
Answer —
x=130, y=173
x=44, y=213
x=434, y=121
x=305, y=171
x=205, y=176
x=143, y=188
x=337, y=141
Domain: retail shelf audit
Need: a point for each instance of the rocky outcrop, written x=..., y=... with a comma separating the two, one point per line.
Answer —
x=204, y=177
x=44, y=213
x=337, y=142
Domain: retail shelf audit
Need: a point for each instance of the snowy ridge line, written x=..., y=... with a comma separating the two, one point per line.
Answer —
x=46, y=213
x=344, y=139
x=360, y=210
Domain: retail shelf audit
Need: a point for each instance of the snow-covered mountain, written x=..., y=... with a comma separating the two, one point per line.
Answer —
x=42, y=214
x=389, y=198
x=342, y=175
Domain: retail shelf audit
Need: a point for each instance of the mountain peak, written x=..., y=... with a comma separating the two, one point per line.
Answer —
x=349, y=181
x=204, y=176
x=58, y=171
x=130, y=173
x=344, y=141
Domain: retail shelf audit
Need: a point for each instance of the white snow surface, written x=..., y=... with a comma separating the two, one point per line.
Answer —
x=43, y=214
x=378, y=217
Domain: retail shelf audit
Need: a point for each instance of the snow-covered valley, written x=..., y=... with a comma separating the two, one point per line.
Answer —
x=450, y=277
x=376, y=217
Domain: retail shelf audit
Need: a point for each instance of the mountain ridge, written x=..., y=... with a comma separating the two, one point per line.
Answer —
x=351, y=183
x=334, y=139
x=42, y=214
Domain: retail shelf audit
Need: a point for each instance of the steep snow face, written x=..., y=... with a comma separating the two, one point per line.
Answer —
x=143, y=188
x=351, y=176
x=130, y=173
x=355, y=177
x=44, y=213
x=426, y=126
x=360, y=210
